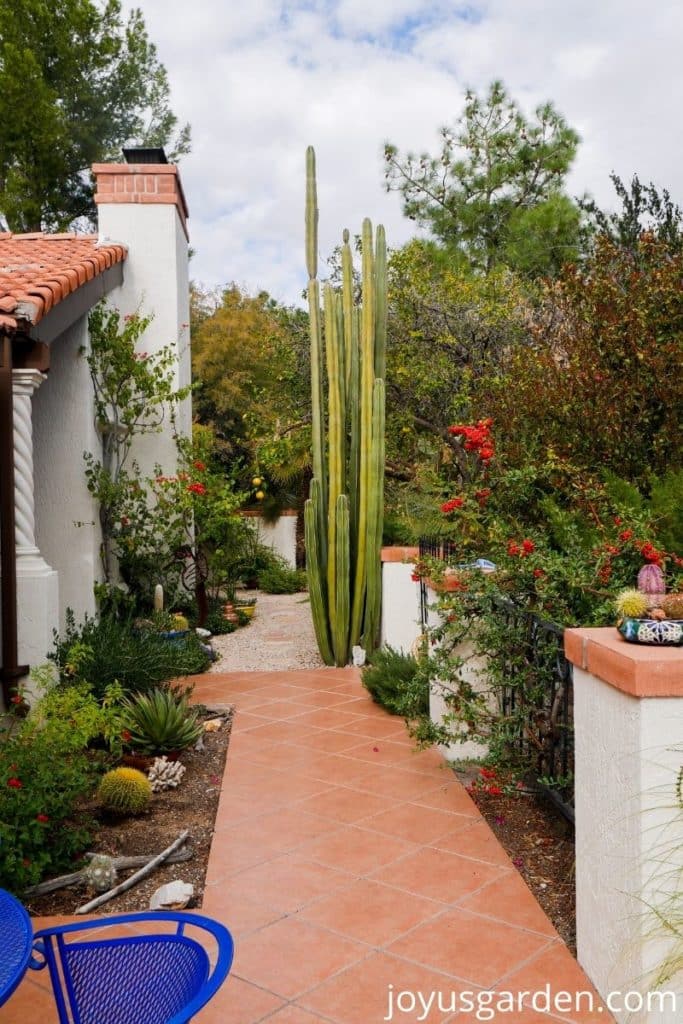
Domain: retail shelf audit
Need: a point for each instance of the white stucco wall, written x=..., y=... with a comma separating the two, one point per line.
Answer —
x=279, y=535
x=155, y=282
x=63, y=428
x=400, y=607
x=629, y=837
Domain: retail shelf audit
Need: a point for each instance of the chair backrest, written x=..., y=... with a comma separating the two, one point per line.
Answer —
x=140, y=977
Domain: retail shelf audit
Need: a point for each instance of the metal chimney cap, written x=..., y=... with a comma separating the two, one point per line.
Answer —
x=145, y=155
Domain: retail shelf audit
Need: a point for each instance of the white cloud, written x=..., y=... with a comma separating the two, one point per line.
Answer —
x=260, y=81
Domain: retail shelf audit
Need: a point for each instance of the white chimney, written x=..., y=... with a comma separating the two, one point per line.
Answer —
x=142, y=205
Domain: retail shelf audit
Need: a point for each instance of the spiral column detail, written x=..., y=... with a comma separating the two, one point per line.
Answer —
x=24, y=384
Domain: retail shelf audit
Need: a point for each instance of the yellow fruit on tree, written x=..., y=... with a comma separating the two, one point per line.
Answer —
x=260, y=495
x=256, y=481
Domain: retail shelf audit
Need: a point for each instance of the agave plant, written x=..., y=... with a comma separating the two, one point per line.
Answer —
x=160, y=721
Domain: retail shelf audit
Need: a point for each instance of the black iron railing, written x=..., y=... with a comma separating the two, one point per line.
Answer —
x=537, y=693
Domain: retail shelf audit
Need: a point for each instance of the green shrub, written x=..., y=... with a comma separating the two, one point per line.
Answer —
x=125, y=791
x=45, y=774
x=160, y=721
x=279, y=578
x=393, y=680
x=110, y=650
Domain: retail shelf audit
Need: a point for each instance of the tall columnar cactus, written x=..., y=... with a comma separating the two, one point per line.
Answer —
x=344, y=514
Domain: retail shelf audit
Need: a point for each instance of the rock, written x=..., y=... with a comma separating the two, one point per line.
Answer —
x=213, y=725
x=173, y=896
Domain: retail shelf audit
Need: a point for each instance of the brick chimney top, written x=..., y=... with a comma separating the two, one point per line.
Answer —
x=141, y=183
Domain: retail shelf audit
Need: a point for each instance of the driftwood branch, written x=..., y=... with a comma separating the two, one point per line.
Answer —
x=135, y=878
x=120, y=863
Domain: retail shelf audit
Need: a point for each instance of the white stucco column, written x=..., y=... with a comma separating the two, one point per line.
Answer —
x=628, y=723
x=37, y=582
x=401, y=624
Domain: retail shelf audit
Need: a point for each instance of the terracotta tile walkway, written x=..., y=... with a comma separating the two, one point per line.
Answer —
x=345, y=863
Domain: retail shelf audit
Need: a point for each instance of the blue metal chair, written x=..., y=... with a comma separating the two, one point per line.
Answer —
x=15, y=943
x=163, y=977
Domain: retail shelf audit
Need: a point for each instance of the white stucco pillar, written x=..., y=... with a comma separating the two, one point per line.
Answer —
x=401, y=625
x=628, y=723
x=37, y=582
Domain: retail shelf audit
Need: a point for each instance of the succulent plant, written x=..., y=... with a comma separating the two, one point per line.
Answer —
x=632, y=604
x=343, y=516
x=651, y=579
x=160, y=721
x=100, y=873
x=672, y=606
x=124, y=790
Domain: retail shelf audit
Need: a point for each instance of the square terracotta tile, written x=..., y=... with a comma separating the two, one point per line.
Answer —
x=476, y=841
x=240, y=915
x=376, y=728
x=287, y=883
x=398, y=755
x=469, y=947
x=287, y=731
x=437, y=874
x=291, y=956
x=395, y=783
x=371, y=912
x=330, y=741
x=509, y=899
x=328, y=718
x=293, y=1014
x=345, y=805
x=277, y=710
x=30, y=1002
x=416, y=823
x=238, y=1002
x=449, y=797
x=557, y=966
x=363, y=994
x=356, y=850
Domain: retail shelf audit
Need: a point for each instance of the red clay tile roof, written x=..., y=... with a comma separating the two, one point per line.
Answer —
x=37, y=271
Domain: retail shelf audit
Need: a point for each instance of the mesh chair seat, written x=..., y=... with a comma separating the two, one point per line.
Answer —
x=15, y=929
x=137, y=979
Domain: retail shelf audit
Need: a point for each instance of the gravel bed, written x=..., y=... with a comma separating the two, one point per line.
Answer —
x=279, y=637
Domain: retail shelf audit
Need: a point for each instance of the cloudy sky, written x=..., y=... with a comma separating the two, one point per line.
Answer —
x=259, y=80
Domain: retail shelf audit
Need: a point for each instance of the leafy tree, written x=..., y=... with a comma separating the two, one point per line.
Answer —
x=494, y=192
x=643, y=208
x=251, y=357
x=600, y=385
x=77, y=82
x=447, y=327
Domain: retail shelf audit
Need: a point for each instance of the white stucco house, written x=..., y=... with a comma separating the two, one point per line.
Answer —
x=48, y=284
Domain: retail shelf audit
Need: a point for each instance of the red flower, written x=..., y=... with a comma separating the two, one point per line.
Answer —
x=17, y=699
x=617, y=520
x=494, y=790
x=126, y=736
x=196, y=488
x=625, y=535
x=199, y=466
x=483, y=495
x=14, y=783
x=538, y=573
x=528, y=546
x=487, y=773
x=485, y=454
x=42, y=818
x=605, y=573
x=415, y=577
x=450, y=506
x=513, y=548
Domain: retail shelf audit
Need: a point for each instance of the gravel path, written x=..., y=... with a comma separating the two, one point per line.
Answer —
x=279, y=637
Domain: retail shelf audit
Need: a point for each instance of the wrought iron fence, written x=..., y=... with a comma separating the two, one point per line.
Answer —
x=537, y=693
